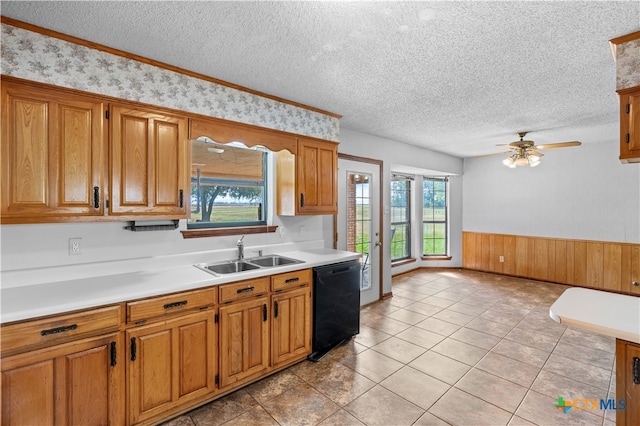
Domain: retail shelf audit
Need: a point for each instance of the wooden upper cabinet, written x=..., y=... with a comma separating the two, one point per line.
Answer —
x=630, y=125
x=53, y=155
x=316, y=176
x=150, y=157
x=307, y=181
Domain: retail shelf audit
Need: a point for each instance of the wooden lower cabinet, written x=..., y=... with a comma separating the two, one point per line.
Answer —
x=77, y=383
x=290, y=326
x=244, y=340
x=170, y=363
x=628, y=382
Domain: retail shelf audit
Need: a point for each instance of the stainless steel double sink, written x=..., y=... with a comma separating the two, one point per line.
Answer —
x=234, y=266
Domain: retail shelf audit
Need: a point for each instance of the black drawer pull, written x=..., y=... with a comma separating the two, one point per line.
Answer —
x=181, y=197
x=134, y=349
x=292, y=280
x=245, y=290
x=301, y=200
x=264, y=313
x=175, y=304
x=636, y=370
x=58, y=330
x=96, y=197
x=114, y=355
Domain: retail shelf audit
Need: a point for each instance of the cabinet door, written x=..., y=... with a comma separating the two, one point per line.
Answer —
x=53, y=151
x=316, y=177
x=630, y=126
x=170, y=363
x=149, y=163
x=291, y=326
x=75, y=383
x=244, y=340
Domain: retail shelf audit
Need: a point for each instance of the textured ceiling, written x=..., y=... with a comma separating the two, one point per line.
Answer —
x=456, y=77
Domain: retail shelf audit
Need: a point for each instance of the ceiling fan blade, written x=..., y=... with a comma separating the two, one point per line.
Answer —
x=534, y=152
x=559, y=145
x=491, y=155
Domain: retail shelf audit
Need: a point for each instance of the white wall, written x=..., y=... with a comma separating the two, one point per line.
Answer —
x=578, y=193
x=401, y=156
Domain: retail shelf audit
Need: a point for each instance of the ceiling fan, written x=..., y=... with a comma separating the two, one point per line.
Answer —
x=525, y=153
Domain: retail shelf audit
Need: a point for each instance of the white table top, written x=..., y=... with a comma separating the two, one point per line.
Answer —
x=611, y=314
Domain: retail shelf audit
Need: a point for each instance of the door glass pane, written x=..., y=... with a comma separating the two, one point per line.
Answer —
x=359, y=221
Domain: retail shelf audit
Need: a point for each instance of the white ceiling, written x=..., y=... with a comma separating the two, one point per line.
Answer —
x=456, y=77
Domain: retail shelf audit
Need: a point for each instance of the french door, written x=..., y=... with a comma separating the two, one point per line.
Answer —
x=358, y=223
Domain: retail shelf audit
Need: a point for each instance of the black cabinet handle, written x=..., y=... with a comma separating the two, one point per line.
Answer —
x=181, y=196
x=301, y=200
x=175, y=304
x=264, y=312
x=96, y=197
x=133, y=349
x=58, y=330
x=275, y=309
x=244, y=290
x=292, y=280
x=113, y=354
x=636, y=370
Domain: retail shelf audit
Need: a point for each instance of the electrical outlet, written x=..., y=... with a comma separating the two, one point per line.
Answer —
x=302, y=231
x=74, y=246
x=501, y=259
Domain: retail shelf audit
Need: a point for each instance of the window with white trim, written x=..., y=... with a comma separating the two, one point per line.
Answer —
x=434, y=216
x=400, y=217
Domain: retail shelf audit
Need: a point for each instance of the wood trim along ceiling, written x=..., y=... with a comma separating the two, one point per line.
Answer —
x=602, y=265
x=82, y=42
x=625, y=38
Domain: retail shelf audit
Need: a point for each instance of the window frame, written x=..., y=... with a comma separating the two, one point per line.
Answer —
x=445, y=180
x=408, y=180
x=238, y=182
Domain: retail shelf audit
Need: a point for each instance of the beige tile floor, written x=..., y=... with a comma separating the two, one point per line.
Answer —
x=450, y=347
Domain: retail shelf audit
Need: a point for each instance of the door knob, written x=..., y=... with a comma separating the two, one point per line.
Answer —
x=378, y=243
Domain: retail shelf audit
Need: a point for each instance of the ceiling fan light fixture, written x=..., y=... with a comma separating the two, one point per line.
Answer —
x=509, y=162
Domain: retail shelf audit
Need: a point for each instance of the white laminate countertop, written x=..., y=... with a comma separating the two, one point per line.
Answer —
x=611, y=314
x=31, y=301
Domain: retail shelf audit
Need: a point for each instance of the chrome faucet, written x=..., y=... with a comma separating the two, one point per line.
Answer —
x=240, y=245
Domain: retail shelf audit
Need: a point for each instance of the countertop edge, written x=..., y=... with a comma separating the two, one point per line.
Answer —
x=610, y=314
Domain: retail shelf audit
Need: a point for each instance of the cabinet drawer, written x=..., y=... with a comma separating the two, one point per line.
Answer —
x=60, y=328
x=243, y=289
x=290, y=280
x=169, y=305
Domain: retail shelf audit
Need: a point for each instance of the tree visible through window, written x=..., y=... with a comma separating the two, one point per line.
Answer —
x=400, y=217
x=434, y=216
x=228, y=185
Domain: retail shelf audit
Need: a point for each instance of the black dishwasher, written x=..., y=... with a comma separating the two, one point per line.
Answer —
x=336, y=306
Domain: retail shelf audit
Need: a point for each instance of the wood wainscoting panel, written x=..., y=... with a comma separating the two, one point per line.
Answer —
x=612, y=266
x=595, y=265
x=602, y=265
x=561, y=261
x=509, y=266
x=522, y=259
